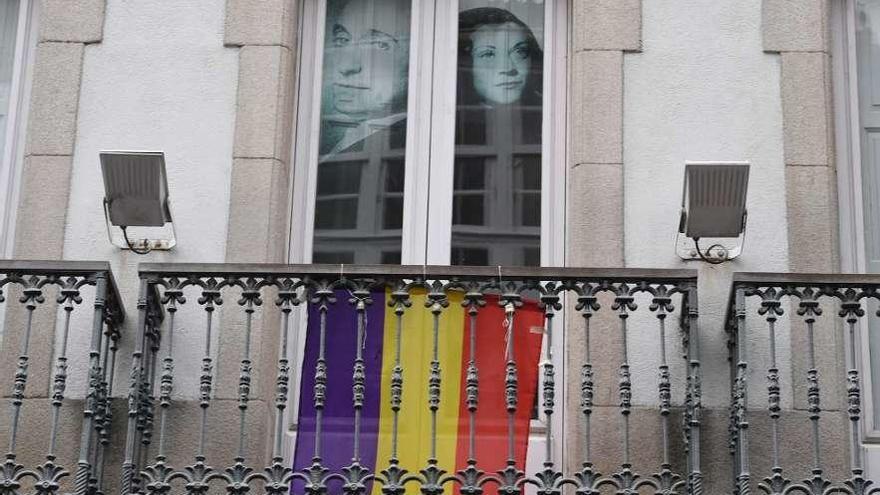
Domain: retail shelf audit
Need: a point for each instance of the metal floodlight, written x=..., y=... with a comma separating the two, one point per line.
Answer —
x=713, y=206
x=136, y=195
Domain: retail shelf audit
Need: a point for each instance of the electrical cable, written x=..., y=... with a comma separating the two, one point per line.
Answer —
x=713, y=261
x=130, y=245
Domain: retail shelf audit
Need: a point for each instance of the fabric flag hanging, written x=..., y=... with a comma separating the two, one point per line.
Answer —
x=379, y=349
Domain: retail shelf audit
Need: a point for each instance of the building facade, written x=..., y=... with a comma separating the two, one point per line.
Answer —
x=233, y=91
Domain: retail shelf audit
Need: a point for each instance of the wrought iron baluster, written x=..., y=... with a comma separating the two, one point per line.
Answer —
x=211, y=296
x=664, y=386
x=102, y=415
x=147, y=415
x=166, y=384
x=472, y=384
x=623, y=303
x=359, y=378
x=435, y=376
x=287, y=298
x=851, y=310
x=432, y=475
x=111, y=337
x=400, y=300
x=741, y=395
x=84, y=467
x=323, y=297
x=511, y=384
x=32, y=295
x=59, y=381
x=510, y=300
x=587, y=304
x=356, y=474
x=470, y=476
x=809, y=309
x=550, y=301
x=250, y=298
x=128, y=465
x=694, y=413
x=771, y=308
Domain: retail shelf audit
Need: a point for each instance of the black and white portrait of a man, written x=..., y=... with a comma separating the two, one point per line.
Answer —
x=366, y=60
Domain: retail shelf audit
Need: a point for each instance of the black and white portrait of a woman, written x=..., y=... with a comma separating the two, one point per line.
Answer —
x=499, y=59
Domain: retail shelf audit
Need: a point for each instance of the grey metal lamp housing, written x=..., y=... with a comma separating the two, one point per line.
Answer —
x=136, y=195
x=713, y=208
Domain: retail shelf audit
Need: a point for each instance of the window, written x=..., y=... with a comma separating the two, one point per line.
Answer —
x=16, y=38
x=430, y=132
x=855, y=27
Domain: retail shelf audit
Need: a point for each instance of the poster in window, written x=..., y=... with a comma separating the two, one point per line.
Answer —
x=499, y=109
x=362, y=143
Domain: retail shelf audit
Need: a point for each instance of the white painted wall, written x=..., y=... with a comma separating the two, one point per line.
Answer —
x=160, y=80
x=703, y=89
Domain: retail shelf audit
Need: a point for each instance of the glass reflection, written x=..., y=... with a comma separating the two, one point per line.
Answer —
x=359, y=197
x=497, y=182
x=8, y=28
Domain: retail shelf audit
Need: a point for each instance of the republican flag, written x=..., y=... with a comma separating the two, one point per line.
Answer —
x=416, y=350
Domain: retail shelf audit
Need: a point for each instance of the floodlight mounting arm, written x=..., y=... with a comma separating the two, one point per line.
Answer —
x=148, y=245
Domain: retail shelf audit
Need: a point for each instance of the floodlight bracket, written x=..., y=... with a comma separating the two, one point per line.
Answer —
x=137, y=246
x=712, y=221
x=136, y=195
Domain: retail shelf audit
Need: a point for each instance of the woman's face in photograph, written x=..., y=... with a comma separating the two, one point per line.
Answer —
x=502, y=60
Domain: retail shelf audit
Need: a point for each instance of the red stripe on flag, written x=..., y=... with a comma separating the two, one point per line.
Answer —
x=491, y=417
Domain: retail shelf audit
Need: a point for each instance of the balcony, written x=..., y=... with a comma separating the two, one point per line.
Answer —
x=51, y=433
x=407, y=379
x=800, y=445
x=340, y=448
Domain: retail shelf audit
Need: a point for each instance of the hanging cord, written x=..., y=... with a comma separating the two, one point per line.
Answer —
x=359, y=306
x=130, y=245
x=507, y=323
x=704, y=257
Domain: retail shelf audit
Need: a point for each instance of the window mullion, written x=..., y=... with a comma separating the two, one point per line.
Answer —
x=442, y=149
x=418, y=146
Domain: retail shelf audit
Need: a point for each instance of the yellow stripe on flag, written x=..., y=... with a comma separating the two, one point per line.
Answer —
x=414, y=428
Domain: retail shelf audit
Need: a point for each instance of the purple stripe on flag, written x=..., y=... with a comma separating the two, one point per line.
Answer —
x=337, y=438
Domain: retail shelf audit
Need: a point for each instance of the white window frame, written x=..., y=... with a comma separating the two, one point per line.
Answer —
x=849, y=183
x=432, y=137
x=848, y=157
x=16, y=123
x=433, y=96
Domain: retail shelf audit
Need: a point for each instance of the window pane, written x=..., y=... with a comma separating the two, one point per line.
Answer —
x=499, y=108
x=868, y=56
x=390, y=257
x=527, y=191
x=470, y=256
x=8, y=27
x=359, y=197
x=340, y=178
x=333, y=258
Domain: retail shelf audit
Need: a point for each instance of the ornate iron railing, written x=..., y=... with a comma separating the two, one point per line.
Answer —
x=614, y=302
x=762, y=307
x=34, y=295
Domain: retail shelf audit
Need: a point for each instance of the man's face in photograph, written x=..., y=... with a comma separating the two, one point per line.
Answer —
x=367, y=58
